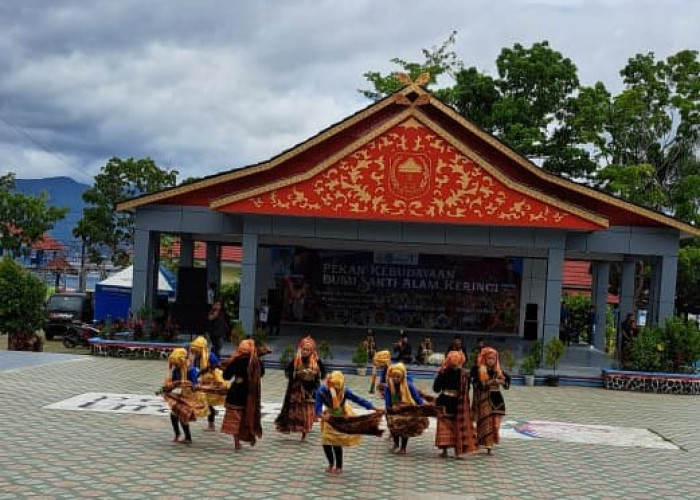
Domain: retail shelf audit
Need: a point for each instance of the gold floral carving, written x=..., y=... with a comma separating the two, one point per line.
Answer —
x=411, y=173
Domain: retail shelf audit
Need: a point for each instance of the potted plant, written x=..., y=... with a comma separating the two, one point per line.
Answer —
x=553, y=351
x=361, y=358
x=324, y=351
x=527, y=368
x=287, y=356
x=507, y=360
x=237, y=334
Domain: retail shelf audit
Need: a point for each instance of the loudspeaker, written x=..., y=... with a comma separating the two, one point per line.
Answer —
x=191, y=317
x=531, y=324
x=192, y=285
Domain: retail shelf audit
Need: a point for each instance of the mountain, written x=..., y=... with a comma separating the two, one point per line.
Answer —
x=62, y=192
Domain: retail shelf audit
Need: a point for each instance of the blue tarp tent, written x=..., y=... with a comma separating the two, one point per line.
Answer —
x=113, y=295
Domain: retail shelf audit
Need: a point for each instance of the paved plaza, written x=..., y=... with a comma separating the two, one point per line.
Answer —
x=71, y=453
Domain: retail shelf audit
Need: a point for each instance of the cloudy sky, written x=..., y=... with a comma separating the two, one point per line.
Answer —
x=210, y=85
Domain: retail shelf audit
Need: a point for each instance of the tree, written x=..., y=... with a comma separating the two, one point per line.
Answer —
x=24, y=219
x=534, y=85
x=644, y=140
x=521, y=107
x=438, y=61
x=21, y=306
x=104, y=231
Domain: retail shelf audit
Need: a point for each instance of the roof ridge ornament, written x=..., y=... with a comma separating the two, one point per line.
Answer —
x=413, y=93
x=420, y=81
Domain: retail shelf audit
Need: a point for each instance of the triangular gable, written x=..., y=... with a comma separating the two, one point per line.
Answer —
x=220, y=191
x=410, y=170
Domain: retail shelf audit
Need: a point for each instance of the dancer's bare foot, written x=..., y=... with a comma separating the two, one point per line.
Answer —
x=329, y=470
x=402, y=451
x=209, y=428
x=185, y=441
x=337, y=471
x=176, y=439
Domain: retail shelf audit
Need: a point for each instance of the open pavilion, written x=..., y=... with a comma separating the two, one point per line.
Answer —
x=402, y=204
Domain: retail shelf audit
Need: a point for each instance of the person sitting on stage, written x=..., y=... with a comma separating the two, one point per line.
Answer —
x=242, y=418
x=403, y=350
x=401, y=392
x=304, y=372
x=457, y=345
x=370, y=343
x=425, y=350
x=332, y=399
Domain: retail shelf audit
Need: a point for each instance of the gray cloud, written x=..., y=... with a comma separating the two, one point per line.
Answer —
x=211, y=85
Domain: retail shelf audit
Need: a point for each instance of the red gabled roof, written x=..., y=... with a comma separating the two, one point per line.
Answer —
x=333, y=146
x=47, y=243
x=577, y=279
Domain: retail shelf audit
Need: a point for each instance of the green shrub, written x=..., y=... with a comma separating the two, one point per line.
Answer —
x=535, y=352
x=528, y=365
x=644, y=354
x=681, y=343
x=507, y=360
x=21, y=306
x=672, y=347
x=287, y=355
x=553, y=352
x=361, y=357
x=324, y=351
x=578, y=306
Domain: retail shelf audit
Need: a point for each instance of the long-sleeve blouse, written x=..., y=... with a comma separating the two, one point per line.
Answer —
x=192, y=374
x=411, y=387
x=448, y=384
x=237, y=373
x=309, y=380
x=324, y=398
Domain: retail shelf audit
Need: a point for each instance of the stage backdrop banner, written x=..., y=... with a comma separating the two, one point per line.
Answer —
x=398, y=289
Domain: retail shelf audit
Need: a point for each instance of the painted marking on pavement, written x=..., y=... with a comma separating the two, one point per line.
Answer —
x=140, y=404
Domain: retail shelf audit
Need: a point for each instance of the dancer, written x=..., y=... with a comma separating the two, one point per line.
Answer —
x=242, y=418
x=454, y=427
x=178, y=392
x=399, y=394
x=304, y=372
x=211, y=380
x=380, y=363
x=332, y=399
x=489, y=406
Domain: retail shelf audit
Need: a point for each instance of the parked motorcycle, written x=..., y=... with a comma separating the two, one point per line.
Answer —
x=79, y=335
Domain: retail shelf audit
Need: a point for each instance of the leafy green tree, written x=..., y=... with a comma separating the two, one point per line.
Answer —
x=438, y=61
x=521, y=107
x=24, y=219
x=21, y=306
x=644, y=140
x=534, y=85
x=105, y=231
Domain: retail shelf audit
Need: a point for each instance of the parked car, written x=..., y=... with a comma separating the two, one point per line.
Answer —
x=66, y=309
